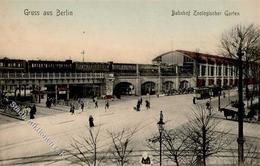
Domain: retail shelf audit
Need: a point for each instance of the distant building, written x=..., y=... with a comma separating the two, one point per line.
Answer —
x=205, y=69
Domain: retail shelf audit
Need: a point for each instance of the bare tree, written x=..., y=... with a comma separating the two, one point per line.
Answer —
x=203, y=138
x=85, y=151
x=242, y=43
x=244, y=39
x=174, y=145
x=122, y=147
x=252, y=155
x=241, y=38
x=193, y=142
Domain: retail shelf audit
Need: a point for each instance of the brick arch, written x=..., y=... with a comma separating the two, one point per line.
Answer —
x=148, y=87
x=168, y=86
x=184, y=84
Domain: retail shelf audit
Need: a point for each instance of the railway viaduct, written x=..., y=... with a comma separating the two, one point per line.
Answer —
x=67, y=84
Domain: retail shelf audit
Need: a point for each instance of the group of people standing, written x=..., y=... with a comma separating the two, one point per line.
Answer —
x=50, y=101
x=140, y=102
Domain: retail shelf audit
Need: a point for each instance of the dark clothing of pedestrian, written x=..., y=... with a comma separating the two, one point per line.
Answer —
x=146, y=161
x=91, y=121
x=96, y=104
x=194, y=100
x=138, y=106
x=82, y=106
x=32, y=112
x=207, y=105
x=48, y=103
x=107, y=105
x=31, y=115
x=54, y=102
x=72, y=109
x=147, y=104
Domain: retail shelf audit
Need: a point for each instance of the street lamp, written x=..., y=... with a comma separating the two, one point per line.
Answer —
x=161, y=128
x=219, y=94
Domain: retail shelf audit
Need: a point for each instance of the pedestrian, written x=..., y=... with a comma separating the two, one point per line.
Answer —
x=107, y=105
x=208, y=107
x=91, y=121
x=72, y=109
x=147, y=104
x=82, y=106
x=146, y=160
x=32, y=111
x=31, y=114
x=140, y=100
x=54, y=102
x=138, y=106
x=96, y=103
x=194, y=100
x=224, y=94
x=48, y=103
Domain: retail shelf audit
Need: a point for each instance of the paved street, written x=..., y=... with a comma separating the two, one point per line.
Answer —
x=20, y=144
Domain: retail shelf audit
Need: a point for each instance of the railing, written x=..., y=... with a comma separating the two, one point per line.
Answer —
x=50, y=75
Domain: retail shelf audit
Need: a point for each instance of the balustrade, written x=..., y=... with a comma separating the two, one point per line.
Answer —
x=49, y=75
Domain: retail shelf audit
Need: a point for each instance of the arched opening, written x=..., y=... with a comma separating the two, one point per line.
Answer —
x=184, y=84
x=148, y=87
x=124, y=88
x=167, y=87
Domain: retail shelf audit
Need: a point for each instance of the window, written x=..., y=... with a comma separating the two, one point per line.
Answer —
x=203, y=70
x=226, y=71
x=219, y=70
x=212, y=71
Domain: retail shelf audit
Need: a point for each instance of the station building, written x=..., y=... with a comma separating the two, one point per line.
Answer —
x=203, y=69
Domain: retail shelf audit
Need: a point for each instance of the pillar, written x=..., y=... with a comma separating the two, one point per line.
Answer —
x=228, y=75
x=200, y=74
x=207, y=74
x=138, y=81
x=24, y=92
x=68, y=91
x=222, y=75
x=39, y=94
x=109, y=83
x=159, y=79
x=215, y=74
x=56, y=92
x=20, y=90
x=177, y=79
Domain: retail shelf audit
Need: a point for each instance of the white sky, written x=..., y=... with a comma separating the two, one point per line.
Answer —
x=122, y=31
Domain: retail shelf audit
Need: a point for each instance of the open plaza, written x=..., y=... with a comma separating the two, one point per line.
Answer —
x=23, y=145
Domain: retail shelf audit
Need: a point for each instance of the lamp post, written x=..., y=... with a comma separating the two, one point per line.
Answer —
x=240, y=139
x=161, y=128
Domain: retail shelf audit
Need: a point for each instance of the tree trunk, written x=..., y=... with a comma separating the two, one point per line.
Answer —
x=204, y=145
x=259, y=102
x=176, y=160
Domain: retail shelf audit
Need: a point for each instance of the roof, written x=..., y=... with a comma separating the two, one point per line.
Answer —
x=197, y=55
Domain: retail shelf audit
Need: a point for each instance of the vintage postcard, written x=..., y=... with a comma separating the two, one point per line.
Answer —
x=129, y=82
